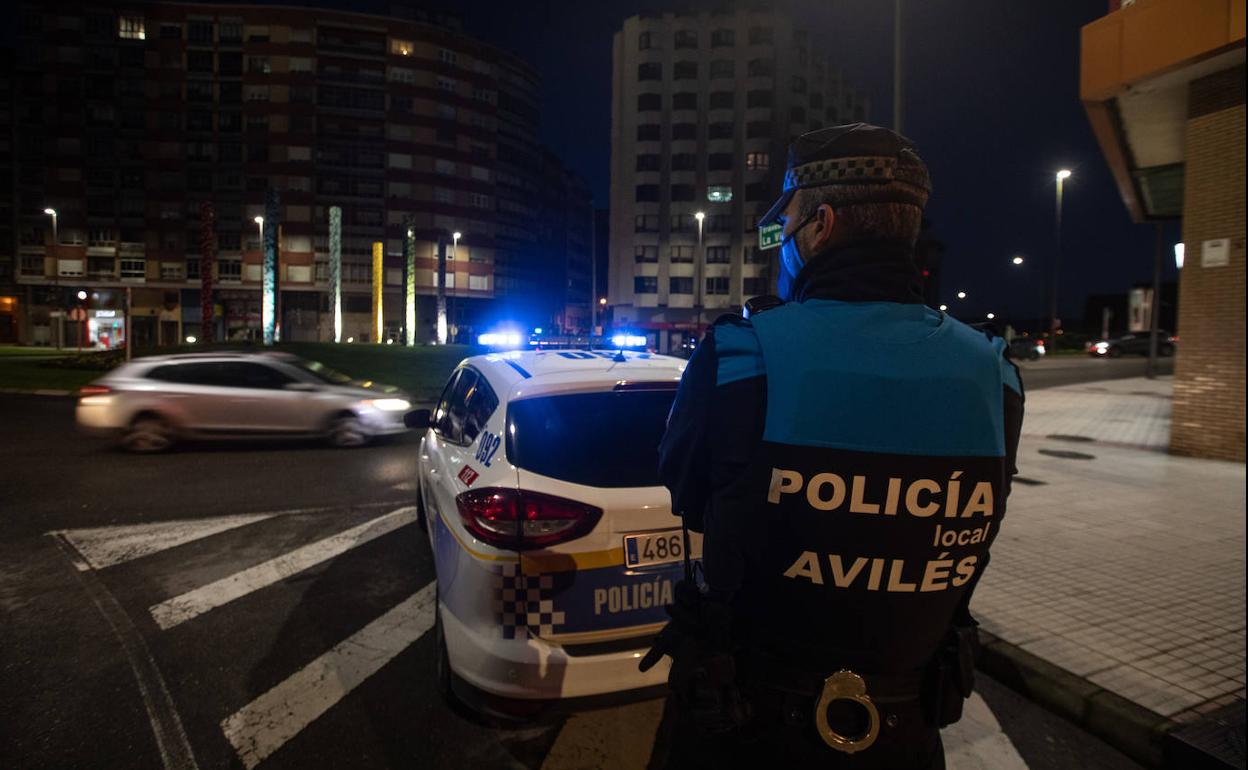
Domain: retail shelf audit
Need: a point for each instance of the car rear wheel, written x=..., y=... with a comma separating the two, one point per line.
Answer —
x=347, y=431
x=148, y=434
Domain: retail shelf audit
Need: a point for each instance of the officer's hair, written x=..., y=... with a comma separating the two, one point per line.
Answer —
x=886, y=221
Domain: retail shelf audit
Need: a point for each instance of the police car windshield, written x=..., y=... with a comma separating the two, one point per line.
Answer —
x=596, y=439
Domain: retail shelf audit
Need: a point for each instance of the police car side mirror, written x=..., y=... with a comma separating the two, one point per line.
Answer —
x=417, y=419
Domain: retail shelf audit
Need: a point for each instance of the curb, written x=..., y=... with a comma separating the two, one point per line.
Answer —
x=37, y=392
x=1127, y=726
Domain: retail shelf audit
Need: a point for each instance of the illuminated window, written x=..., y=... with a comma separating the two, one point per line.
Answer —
x=757, y=161
x=718, y=193
x=446, y=56
x=401, y=47
x=131, y=28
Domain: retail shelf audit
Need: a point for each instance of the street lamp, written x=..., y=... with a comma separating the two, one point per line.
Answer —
x=260, y=229
x=52, y=213
x=455, y=236
x=1017, y=260
x=700, y=272
x=961, y=295
x=943, y=308
x=53, y=251
x=1061, y=176
x=991, y=316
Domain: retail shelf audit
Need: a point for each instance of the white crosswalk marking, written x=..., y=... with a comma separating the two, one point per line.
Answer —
x=267, y=723
x=104, y=547
x=191, y=604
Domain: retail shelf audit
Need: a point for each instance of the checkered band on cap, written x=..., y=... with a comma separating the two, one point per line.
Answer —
x=863, y=170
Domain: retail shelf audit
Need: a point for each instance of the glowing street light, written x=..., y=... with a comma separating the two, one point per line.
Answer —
x=1061, y=176
x=602, y=301
x=52, y=213
x=1017, y=260
x=991, y=316
x=943, y=308
x=82, y=295
x=961, y=295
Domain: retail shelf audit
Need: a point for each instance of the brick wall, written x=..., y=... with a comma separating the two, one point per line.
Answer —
x=1208, y=417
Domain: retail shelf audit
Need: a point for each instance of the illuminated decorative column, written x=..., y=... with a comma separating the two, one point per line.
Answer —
x=378, y=276
x=410, y=282
x=335, y=268
x=268, y=286
x=441, y=290
x=207, y=258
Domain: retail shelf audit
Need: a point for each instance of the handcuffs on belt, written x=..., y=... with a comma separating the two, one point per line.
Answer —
x=846, y=685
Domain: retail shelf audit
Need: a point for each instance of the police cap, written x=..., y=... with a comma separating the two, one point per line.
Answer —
x=855, y=154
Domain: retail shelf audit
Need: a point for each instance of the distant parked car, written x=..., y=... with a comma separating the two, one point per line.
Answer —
x=1026, y=348
x=1132, y=344
x=150, y=403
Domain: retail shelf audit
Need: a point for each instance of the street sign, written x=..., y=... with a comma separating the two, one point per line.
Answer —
x=769, y=236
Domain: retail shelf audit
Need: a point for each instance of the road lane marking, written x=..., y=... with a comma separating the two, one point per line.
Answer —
x=196, y=602
x=268, y=722
x=102, y=547
x=171, y=741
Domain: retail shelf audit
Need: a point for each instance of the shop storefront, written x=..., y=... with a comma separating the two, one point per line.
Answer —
x=106, y=328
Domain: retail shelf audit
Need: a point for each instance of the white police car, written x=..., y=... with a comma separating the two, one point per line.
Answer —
x=554, y=544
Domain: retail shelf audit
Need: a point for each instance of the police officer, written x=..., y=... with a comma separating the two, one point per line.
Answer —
x=847, y=453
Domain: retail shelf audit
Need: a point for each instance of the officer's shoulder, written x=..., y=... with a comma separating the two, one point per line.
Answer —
x=986, y=338
x=737, y=350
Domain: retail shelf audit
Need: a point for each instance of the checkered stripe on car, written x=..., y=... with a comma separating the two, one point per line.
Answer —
x=524, y=604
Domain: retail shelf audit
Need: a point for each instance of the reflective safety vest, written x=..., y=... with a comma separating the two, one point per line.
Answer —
x=879, y=485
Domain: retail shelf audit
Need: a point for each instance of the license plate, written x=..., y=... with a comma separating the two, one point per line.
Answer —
x=659, y=548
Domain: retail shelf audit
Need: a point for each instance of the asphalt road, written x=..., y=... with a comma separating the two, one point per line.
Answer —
x=1053, y=371
x=113, y=653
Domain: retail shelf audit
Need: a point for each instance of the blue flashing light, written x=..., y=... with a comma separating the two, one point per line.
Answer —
x=628, y=341
x=499, y=339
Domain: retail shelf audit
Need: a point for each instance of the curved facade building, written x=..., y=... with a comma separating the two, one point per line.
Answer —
x=128, y=120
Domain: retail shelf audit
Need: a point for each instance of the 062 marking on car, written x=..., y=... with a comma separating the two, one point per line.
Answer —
x=468, y=474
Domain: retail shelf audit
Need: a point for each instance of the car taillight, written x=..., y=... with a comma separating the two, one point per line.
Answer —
x=520, y=520
x=94, y=390
x=1039, y=343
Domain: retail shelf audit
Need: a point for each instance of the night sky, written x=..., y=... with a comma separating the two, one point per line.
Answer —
x=992, y=100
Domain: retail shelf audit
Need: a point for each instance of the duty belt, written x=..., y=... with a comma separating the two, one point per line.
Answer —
x=865, y=690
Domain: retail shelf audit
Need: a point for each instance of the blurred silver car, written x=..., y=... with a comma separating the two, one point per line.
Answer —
x=152, y=402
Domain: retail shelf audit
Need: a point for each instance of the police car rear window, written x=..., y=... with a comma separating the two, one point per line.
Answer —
x=596, y=439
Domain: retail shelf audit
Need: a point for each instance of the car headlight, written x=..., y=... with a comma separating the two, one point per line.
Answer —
x=389, y=404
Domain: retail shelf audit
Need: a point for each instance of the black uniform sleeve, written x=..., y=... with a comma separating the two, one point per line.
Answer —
x=684, y=457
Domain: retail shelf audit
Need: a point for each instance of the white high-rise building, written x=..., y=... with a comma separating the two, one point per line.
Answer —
x=703, y=109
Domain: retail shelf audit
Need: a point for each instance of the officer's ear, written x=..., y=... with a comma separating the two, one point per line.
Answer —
x=825, y=222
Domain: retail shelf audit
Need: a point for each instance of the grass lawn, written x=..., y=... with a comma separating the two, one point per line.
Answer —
x=27, y=351
x=421, y=371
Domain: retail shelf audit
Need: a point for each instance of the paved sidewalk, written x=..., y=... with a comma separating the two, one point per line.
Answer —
x=1118, y=563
